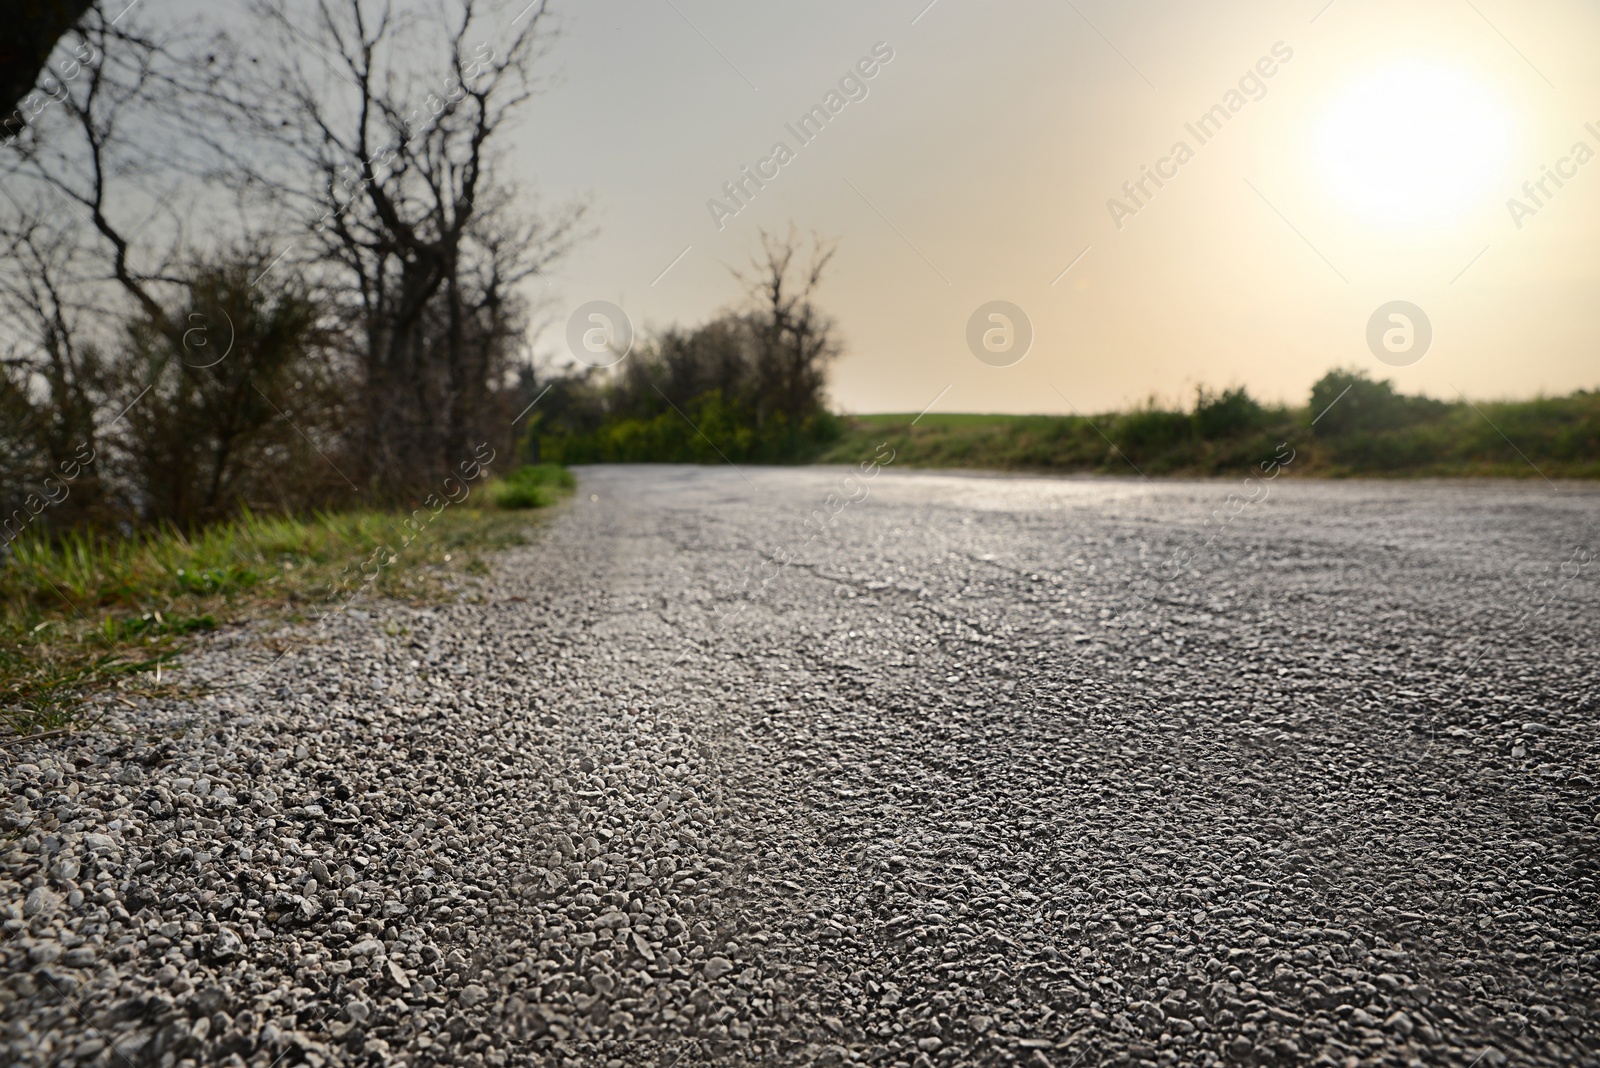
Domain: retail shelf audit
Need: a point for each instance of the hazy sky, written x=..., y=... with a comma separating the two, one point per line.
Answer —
x=1375, y=163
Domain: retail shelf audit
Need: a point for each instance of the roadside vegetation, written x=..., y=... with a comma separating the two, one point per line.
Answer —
x=750, y=387
x=532, y=486
x=89, y=613
x=1368, y=429
x=747, y=387
x=218, y=403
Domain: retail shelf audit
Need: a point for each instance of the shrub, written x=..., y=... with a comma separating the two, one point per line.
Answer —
x=746, y=387
x=512, y=496
x=1148, y=430
x=707, y=429
x=1348, y=402
x=532, y=486
x=1227, y=414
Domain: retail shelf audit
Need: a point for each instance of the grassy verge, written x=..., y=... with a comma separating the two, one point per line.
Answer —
x=1560, y=437
x=87, y=614
x=537, y=486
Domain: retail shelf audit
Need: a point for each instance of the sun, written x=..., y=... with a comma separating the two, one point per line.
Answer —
x=1414, y=144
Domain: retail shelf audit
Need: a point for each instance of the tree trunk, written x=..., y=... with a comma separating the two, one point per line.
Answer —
x=32, y=29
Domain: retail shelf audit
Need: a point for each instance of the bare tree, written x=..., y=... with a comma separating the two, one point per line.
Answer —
x=112, y=153
x=365, y=147
x=99, y=290
x=387, y=129
x=794, y=339
x=51, y=382
x=69, y=257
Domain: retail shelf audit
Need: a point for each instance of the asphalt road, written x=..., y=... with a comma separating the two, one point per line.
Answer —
x=987, y=771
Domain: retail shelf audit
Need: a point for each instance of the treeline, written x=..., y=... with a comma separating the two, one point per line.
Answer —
x=748, y=386
x=232, y=278
x=1351, y=425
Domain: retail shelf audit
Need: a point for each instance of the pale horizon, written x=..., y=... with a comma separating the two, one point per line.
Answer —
x=1376, y=162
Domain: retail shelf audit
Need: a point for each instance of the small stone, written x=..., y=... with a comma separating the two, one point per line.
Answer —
x=358, y=1012
x=127, y=1048
x=100, y=843
x=44, y=952
x=1399, y=1021
x=641, y=946
x=473, y=994
x=226, y=945
x=930, y=1044
x=40, y=900
x=397, y=976
x=717, y=967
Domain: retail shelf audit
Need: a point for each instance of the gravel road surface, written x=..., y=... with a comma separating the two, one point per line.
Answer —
x=990, y=771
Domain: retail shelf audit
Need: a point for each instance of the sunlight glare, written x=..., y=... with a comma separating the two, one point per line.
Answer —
x=1413, y=144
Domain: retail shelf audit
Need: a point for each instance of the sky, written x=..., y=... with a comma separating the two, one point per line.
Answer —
x=1360, y=154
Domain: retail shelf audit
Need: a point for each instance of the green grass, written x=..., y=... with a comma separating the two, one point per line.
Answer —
x=704, y=429
x=87, y=614
x=537, y=486
x=1558, y=437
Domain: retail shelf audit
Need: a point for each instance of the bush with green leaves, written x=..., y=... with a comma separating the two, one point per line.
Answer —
x=747, y=386
x=532, y=486
x=1229, y=414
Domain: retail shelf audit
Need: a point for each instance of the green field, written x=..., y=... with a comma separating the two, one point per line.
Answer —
x=1391, y=435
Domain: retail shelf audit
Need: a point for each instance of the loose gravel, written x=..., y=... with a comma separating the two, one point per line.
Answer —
x=983, y=775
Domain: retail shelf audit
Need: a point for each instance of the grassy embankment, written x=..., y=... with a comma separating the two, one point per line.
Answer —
x=1560, y=436
x=90, y=614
